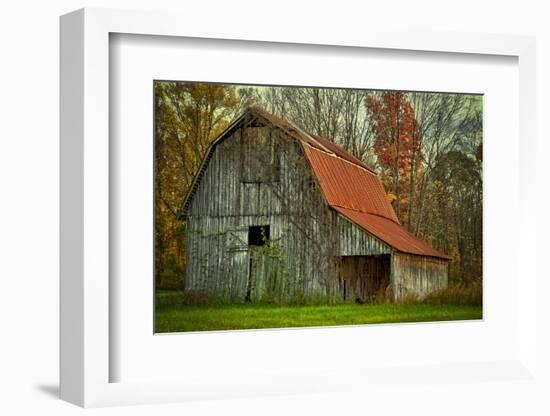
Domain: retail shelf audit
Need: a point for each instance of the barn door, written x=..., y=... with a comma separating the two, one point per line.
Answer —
x=237, y=264
x=253, y=271
x=262, y=275
x=258, y=235
x=362, y=278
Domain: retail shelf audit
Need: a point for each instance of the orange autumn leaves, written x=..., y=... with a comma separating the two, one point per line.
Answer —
x=396, y=144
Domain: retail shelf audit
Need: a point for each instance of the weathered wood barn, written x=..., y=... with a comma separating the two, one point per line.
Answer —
x=279, y=215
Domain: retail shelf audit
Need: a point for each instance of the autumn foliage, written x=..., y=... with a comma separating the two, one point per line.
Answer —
x=188, y=116
x=396, y=143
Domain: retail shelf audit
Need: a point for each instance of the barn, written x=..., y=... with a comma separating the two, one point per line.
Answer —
x=275, y=214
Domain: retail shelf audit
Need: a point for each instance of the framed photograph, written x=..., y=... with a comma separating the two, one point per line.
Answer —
x=280, y=213
x=261, y=224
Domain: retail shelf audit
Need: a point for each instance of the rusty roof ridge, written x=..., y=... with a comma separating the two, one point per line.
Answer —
x=360, y=162
x=280, y=123
x=323, y=147
x=345, y=160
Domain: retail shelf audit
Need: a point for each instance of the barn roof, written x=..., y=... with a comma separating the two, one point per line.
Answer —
x=349, y=186
x=390, y=232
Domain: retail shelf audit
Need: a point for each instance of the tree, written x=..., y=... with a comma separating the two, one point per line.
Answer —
x=456, y=226
x=396, y=144
x=447, y=122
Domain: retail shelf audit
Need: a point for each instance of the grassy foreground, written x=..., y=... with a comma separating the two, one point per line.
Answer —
x=173, y=317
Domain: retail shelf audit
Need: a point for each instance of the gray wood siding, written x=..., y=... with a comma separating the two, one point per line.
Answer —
x=354, y=241
x=218, y=260
x=417, y=275
x=300, y=261
x=222, y=191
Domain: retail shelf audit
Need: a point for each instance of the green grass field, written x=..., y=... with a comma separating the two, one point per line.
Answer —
x=170, y=316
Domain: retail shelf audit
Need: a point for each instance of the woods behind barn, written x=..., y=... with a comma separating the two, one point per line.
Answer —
x=331, y=196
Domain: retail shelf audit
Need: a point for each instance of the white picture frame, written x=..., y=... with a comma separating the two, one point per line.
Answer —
x=84, y=311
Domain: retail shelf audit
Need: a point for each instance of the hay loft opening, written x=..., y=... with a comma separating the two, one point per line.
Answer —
x=258, y=235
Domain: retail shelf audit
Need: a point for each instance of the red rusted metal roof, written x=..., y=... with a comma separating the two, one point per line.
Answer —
x=348, y=185
x=391, y=233
x=358, y=195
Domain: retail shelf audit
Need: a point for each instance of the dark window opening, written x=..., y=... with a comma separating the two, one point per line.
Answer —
x=258, y=235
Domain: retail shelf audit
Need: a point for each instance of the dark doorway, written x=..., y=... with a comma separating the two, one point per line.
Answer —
x=363, y=278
